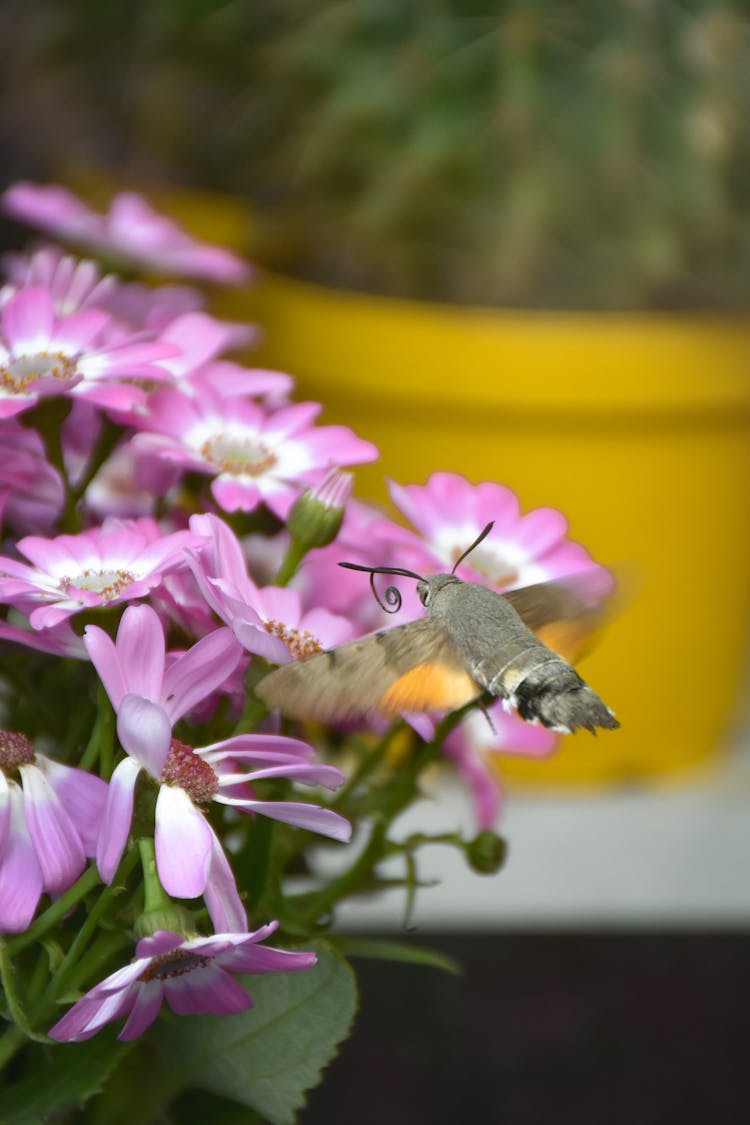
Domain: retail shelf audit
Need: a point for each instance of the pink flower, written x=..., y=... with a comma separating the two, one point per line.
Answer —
x=42, y=353
x=269, y=622
x=475, y=747
x=149, y=697
x=72, y=284
x=32, y=493
x=449, y=512
x=119, y=561
x=254, y=457
x=192, y=974
x=49, y=823
x=131, y=231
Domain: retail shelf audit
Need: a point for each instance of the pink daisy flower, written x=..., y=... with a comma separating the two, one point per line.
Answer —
x=193, y=975
x=449, y=513
x=254, y=457
x=117, y=562
x=76, y=284
x=131, y=231
x=72, y=284
x=50, y=815
x=149, y=697
x=42, y=353
x=270, y=621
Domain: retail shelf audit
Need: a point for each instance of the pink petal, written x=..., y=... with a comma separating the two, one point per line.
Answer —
x=57, y=844
x=117, y=818
x=21, y=880
x=183, y=843
x=221, y=896
x=103, y=655
x=28, y=320
x=141, y=651
x=208, y=989
x=200, y=670
x=90, y=1014
x=265, y=959
x=145, y=732
x=146, y=1006
x=312, y=817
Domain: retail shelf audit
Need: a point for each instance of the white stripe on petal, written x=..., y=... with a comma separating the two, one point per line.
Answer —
x=183, y=843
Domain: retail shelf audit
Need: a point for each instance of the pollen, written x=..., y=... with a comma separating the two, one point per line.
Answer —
x=15, y=750
x=300, y=642
x=108, y=584
x=174, y=964
x=238, y=454
x=18, y=376
x=190, y=772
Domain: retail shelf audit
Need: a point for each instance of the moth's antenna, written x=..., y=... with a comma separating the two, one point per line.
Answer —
x=482, y=535
x=392, y=595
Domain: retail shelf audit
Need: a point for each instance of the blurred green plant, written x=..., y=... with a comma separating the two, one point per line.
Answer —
x=559, y=153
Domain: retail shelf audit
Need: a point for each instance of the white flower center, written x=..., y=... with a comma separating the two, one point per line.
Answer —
x=17, y=375
x=499, y=572
x=109, y=584
x=238, y=454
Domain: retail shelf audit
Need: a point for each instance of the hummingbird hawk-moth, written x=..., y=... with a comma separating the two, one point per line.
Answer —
x=472, y=642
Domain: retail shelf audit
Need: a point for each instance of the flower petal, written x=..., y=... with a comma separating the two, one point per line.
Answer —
x=312, y=817
x=145, y=732
x=21, y=880
x=208, y=989
x=183, y=843
x=221, y=896
x=200, y=670
x=117, y=818
x=57, y=844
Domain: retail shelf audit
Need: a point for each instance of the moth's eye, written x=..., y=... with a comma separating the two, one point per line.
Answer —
x=423, y=592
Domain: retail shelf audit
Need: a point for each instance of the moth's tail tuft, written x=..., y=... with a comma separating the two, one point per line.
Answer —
x=563, y=702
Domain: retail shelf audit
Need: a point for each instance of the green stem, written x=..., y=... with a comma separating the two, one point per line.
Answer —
x=56, y=911
x=367, y=765
x=11, y=1043
x=105, y=445
x=81, y=940
x=296, y=551
x=100, y=746
x=395, y=800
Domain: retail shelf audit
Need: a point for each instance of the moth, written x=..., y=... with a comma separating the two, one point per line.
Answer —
x=473, y=644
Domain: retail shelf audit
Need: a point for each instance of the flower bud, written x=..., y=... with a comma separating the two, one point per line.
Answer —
x=170, y=917
x=316, y=515
x=486, y=853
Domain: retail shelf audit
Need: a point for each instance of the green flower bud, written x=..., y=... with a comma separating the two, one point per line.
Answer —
x=168, y=917
x=316, y=515
x=486, y=853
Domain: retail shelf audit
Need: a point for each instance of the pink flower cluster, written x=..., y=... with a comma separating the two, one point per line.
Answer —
x=150, y=477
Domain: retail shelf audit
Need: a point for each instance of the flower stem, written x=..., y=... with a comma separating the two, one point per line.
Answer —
x=55, y=912
x=296, y=551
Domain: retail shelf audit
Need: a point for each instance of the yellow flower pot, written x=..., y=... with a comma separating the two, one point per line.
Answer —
x=636, y=426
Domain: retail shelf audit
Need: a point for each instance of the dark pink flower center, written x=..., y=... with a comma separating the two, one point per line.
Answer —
x=300, y=642
x=108, y=584
x=188, y=770
x=174, y=964
x=238, y=454
x=17, y=375
x=15, y=750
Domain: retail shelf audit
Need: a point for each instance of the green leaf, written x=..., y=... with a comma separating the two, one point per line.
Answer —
x=384, y=950
x=60, y=1077
x=268, y=1057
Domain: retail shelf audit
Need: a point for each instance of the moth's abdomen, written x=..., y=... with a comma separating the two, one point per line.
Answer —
x=555, y=695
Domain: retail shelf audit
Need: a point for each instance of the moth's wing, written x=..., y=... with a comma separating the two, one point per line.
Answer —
x=565, y=614
x=412, y=667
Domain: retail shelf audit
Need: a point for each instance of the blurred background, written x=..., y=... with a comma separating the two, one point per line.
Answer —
x=510, y=239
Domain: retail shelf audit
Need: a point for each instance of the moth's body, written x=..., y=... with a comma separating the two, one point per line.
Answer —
x=472, y=641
